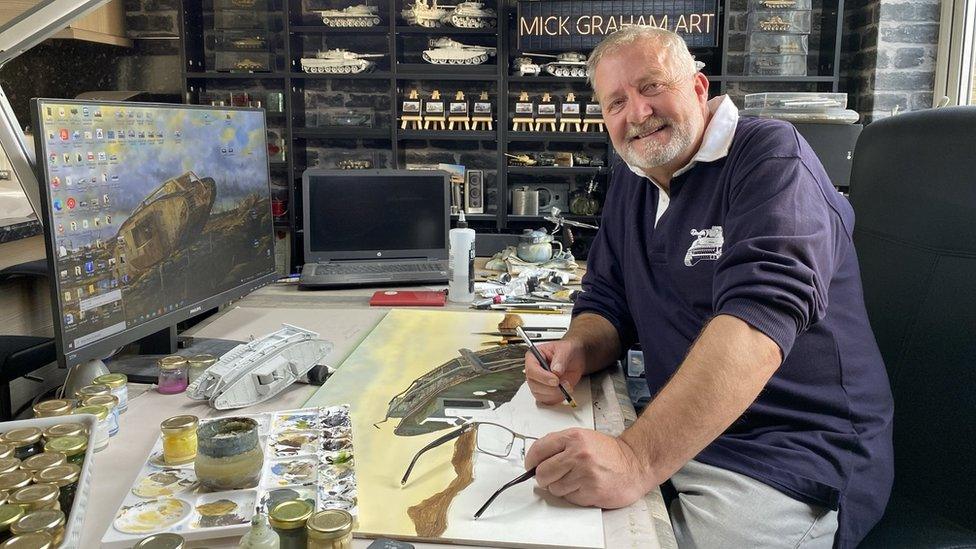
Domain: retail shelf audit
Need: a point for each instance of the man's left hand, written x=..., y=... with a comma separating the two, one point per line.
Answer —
x=587, y=468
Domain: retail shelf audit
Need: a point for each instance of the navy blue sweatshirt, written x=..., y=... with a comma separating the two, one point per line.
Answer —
x=760, y=235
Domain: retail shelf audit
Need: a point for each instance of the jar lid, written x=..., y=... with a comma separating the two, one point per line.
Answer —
x=112, y=380
x=9, y=514
x=35, y=540
x=172, y=362
x=14, y=480
x=161, y=541
x=176, y=424
x=65, y=430
x=100, y=411
x=202, y=361
x=47, y=408
x=35, y=496
x=62, y=475
x=8, y=464
x=6, y=449
x=290, y=514
x=25, y=436
x=109, y=401
x=92, y=390
x=69, y=446
x=330, y=524
x=39, y=521
x=43, y=461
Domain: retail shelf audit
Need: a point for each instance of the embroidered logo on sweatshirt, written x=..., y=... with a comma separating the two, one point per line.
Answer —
x=706, y=247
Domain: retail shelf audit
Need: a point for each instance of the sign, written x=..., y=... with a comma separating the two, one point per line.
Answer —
x=579, y=26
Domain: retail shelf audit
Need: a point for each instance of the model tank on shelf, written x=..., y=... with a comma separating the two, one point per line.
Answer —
x=444, y=51
x=426, y=14
x=523, y=66
x=472, y=15
x=350, y=164
x=339, y=61
x=566, y=65
x=359, y=15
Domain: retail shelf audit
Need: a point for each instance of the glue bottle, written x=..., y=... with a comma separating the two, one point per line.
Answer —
x=460, y=284
x=261, y=536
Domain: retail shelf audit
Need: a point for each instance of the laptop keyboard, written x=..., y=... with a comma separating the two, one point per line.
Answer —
x=366, y=268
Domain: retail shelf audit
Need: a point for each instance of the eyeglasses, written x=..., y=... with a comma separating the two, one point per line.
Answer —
x=490, y=438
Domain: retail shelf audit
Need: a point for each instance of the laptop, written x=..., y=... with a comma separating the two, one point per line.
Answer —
x=375, y=228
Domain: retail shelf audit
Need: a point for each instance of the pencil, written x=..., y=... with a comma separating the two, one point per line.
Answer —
x=542, y=360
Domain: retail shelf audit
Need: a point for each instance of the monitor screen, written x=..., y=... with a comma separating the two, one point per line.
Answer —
x=401, y=212
x=151, y=212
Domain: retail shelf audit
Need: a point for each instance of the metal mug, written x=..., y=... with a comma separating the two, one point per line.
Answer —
x=525, y=201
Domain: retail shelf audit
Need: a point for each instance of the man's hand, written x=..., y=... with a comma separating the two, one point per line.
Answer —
x=568, y=365
x=588, y=468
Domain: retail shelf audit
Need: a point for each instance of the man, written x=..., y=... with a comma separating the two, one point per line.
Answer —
x=727, y=253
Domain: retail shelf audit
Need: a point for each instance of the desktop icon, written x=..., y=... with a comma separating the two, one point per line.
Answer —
x=69, y=319
x=58, y=205
x=64, y=134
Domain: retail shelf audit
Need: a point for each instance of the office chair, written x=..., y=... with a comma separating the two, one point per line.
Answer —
x=913, y=189
x=21, y=355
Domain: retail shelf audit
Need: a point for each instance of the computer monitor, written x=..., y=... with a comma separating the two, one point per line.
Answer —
x=152, y=213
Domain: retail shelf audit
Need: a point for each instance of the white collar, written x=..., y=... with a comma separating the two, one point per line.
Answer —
x=717, y=138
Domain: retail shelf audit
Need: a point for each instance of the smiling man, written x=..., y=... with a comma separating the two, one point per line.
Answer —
x=726, y=252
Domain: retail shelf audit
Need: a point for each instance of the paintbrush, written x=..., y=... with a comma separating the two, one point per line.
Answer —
x=542, y=360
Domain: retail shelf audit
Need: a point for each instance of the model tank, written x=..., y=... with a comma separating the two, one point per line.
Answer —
x=349, y=164
x=445, y=51
x=339, y=61
x=426, y=14
x=165, y=221
x=524, y=66
x=473, y=15
x=774, y=24
x=566, y=65
x=359, y=15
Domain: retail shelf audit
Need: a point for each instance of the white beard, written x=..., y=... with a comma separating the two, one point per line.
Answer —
x=645, y=154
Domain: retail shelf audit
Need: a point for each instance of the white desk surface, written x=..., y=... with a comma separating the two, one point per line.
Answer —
x=345, y=318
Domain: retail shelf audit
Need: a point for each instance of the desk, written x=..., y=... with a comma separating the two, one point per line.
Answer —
x=643, y=524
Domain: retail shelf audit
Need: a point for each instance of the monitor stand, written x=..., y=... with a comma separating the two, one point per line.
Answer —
x=141, y=366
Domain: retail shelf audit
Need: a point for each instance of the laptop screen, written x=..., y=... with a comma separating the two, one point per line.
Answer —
x=376, y=214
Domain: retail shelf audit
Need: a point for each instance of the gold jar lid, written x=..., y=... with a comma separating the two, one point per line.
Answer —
x=161, y=541
x=172, y=362
x=61, y=475
x=108, y=401
x=14, y=479
x=289, y=515
x=25, y=436
x=35, y=496
x=329, y=524
x=202, y=361
x=65, y=430
x=34, y=464
x=35, y=540
x=114, y=381
x=9, y=514
x=6, y=449
x=100, y=411
x=69, y=446
x=177, y=424
x=8, y=464
x=49, y=408
x=39, y=521
x=92, y=390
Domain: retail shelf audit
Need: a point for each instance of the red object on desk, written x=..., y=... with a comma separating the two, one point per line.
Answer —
x=400, y=298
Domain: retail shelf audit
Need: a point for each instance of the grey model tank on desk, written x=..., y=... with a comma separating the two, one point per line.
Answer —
x=339, y=61
x=566, y=65
x=473, y=15
x=445, y=51
x=359, y=15
x=426, y=14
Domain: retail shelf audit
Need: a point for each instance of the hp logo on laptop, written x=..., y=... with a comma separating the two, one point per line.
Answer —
x=379, y=254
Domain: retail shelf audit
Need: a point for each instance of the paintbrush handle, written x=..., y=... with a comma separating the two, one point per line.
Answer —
x=542, y=361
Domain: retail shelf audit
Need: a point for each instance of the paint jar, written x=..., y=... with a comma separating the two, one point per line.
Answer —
x=37, y=540
x=26, y=441
x=288, y=519
x=50, y=522
x=65, y=430
x=161, y=541
x=11, y=463
x=99, y=439
x=9, y=514
x=112, y=403
x=66, y=478
x=73, y=448
x=6, y=450
x=179, y=439
x=52, y=408
x=330, y=529
x=36, y=463
x=37, y=497
x=173, y=375
x=92, y=390
x=199, y=364
x=229, y=455
x=120, y=388
x=14, y=480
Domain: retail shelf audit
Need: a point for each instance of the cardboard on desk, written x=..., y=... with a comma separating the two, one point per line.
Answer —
x=402, y=298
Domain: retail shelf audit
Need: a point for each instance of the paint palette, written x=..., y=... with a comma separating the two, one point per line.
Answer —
x=308, y=454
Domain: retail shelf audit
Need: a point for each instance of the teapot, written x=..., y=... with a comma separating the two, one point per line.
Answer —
x=535, y=246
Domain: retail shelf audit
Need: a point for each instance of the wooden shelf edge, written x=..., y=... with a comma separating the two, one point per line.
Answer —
x=92, y=36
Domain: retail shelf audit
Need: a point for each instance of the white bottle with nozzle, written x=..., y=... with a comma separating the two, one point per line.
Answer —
x=460, y=269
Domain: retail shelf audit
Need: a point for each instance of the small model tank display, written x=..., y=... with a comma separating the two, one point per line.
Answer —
x=520, y=160
x=360, y=15
x=775, y=24
x=444, y=51
x=339, y=61
x=524, y=66
x=472, y=15
x=566, y=65
x=426, y=14
x=249, y=65
x=778, y=4
x=350, y=164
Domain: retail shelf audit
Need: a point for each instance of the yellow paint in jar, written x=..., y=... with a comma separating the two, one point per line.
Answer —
x=179, y=439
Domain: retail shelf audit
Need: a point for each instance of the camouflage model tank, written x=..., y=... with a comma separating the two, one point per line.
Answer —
x=426, y=14
x=445, y=51
x=520, y=159
x=472, y=15
x=360, y=15
x=350, y=164
x=339, y=61
x=566, y=65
